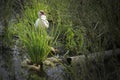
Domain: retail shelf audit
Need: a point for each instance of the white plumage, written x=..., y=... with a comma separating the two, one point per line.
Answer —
x=42, y=20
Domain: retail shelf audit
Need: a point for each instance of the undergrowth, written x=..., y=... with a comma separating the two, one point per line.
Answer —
x=81, y=27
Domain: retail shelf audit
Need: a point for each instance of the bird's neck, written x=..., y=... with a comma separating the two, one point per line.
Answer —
x=43, y=17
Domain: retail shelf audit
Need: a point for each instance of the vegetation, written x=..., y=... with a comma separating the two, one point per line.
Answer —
x=78, y=26
x=35, y=40
x=36, y=43
x=85, y=33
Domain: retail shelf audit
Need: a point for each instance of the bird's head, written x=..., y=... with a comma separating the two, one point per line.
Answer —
x=40, y=13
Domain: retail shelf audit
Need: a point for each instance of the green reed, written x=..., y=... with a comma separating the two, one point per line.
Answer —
x=36, y=42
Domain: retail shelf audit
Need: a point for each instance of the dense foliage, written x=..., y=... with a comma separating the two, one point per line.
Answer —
x=85, y=26
x=81, y=26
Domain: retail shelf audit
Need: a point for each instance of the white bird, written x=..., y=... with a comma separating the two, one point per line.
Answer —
x=42, y=20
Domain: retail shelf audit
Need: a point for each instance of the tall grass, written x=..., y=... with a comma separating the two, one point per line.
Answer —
x=36, y=43
x=35, y=40
x=90, y=32
x=41, y=39
x=100, y=31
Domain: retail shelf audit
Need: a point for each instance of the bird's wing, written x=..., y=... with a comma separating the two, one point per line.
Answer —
x=36, y=23
x=46, y=23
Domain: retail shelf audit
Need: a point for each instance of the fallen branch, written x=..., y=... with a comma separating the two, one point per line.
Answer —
x=71, y=60
x=93, y=56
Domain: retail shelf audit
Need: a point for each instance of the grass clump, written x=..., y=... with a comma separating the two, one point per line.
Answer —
x=36, y=43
